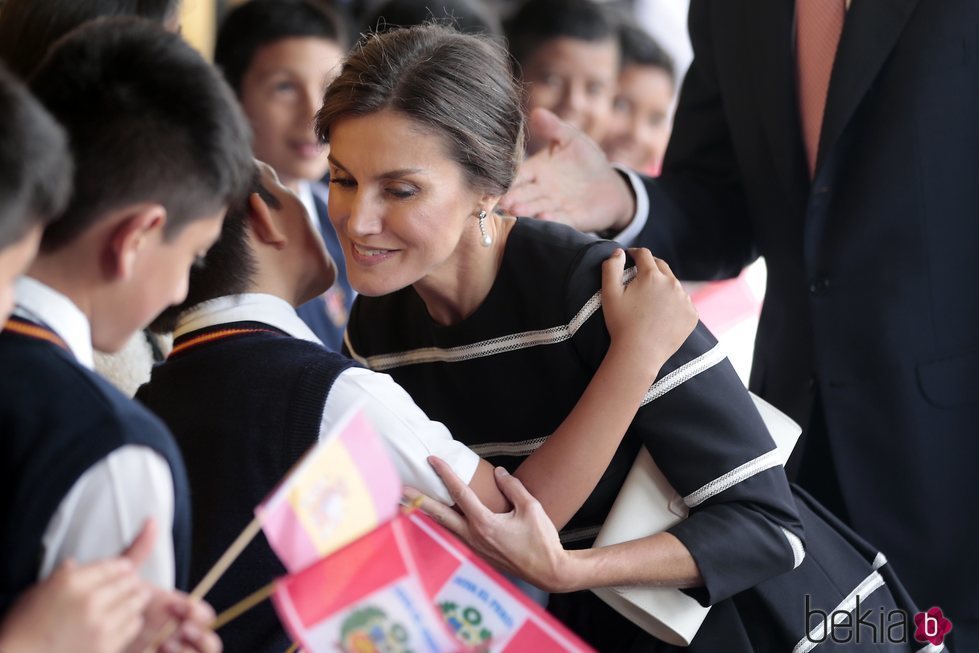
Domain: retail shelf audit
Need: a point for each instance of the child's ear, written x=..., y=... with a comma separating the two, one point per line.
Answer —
x=142, y=223
x=264, y=223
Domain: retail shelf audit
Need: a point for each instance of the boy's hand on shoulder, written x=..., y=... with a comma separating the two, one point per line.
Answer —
x=651, y=316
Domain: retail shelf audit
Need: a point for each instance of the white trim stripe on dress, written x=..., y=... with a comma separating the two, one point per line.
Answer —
x=798, y=548
x=684, y=373
x=869, y=585
x=673, y=380
x=491, y=347
x=733, y=477
x=578, y=534
x=521, y=448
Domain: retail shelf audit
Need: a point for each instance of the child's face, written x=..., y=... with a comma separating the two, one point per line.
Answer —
x=14, y=259
x=575, y=79
x=315, y=271
x=157, y=277
x=280, y=93
x=639, y=127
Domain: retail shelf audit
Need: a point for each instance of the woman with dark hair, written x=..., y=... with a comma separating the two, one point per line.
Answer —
x=489, y=321
x=29, y=27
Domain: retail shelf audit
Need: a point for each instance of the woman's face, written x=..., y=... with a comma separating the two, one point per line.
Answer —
x=399, y=204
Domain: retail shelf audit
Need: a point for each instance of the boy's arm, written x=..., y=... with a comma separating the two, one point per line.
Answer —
x=410, y=436
x=648, y=320
x=107, y=507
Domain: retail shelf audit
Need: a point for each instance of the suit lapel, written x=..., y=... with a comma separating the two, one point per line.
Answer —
x=869, y=34
x=770, y=23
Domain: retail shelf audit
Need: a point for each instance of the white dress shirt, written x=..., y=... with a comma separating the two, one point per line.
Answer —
x=409, y=435
x=629, y=234
x=108, y=504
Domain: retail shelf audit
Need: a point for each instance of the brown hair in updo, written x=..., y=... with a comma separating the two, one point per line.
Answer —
x=457, y=86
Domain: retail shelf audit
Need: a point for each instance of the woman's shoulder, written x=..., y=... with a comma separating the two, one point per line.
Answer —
x=567, y=258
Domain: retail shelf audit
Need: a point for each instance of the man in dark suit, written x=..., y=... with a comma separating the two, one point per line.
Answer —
x=862, y=197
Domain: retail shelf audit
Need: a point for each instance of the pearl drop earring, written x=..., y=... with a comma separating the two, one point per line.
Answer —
x=486, y=240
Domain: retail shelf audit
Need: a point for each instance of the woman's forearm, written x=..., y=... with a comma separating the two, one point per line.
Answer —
x=658, y=560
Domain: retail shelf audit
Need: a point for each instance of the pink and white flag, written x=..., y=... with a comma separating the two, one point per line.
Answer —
x=341, y=489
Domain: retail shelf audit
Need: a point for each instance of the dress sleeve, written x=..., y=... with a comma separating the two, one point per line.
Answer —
x=702, y=429
x=410, y=436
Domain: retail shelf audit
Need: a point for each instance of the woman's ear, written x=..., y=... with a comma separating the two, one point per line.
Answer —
x=264, y=223
x=141, y=224
x=488, y=203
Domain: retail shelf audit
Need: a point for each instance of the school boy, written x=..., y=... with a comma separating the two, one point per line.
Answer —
x=279, y=56
x=567, y=55
x=160, y=149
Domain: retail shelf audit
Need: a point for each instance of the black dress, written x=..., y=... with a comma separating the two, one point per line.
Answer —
x=504, y=378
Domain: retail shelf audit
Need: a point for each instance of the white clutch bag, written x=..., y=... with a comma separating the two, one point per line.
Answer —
x=643, y=508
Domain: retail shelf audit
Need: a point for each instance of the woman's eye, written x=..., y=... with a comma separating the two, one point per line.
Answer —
x=402, y=192
x=342, y=182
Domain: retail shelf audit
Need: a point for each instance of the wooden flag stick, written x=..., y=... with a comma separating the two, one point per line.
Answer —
x=292, y=649
x=210, y=578
x=243, y=606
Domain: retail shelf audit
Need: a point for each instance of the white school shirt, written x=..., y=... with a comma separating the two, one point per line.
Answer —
x=108, y=504
x=409, y=435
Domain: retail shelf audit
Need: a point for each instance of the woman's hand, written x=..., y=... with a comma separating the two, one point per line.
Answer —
x=522, y=542
x=651, y=316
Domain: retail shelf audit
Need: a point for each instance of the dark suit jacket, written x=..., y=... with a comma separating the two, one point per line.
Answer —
x=872, y=267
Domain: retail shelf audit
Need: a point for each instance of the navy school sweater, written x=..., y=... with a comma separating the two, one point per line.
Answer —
x=57, y=420
x=244, y=401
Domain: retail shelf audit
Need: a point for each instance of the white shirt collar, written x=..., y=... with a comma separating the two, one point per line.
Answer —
x=41, y=303
x=249, y=307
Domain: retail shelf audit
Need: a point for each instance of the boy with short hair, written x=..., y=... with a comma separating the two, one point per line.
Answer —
x=279, y=56
x=35, y=181
x=160, y=150
x=639, y=127
x=567, y=55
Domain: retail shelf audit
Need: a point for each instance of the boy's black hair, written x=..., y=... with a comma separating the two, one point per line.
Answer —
x=229, y=267
x=28, y=28
x=257, y=23
x=149, y=121
x=35, y=167
x=538, y=21
x=464, y=15
x=639, y=48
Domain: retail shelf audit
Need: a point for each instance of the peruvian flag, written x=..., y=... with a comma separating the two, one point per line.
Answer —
x=411, y=586
x=482, y=608
x=364, y=598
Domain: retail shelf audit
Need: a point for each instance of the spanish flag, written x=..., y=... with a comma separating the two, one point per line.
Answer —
x=341, y=489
